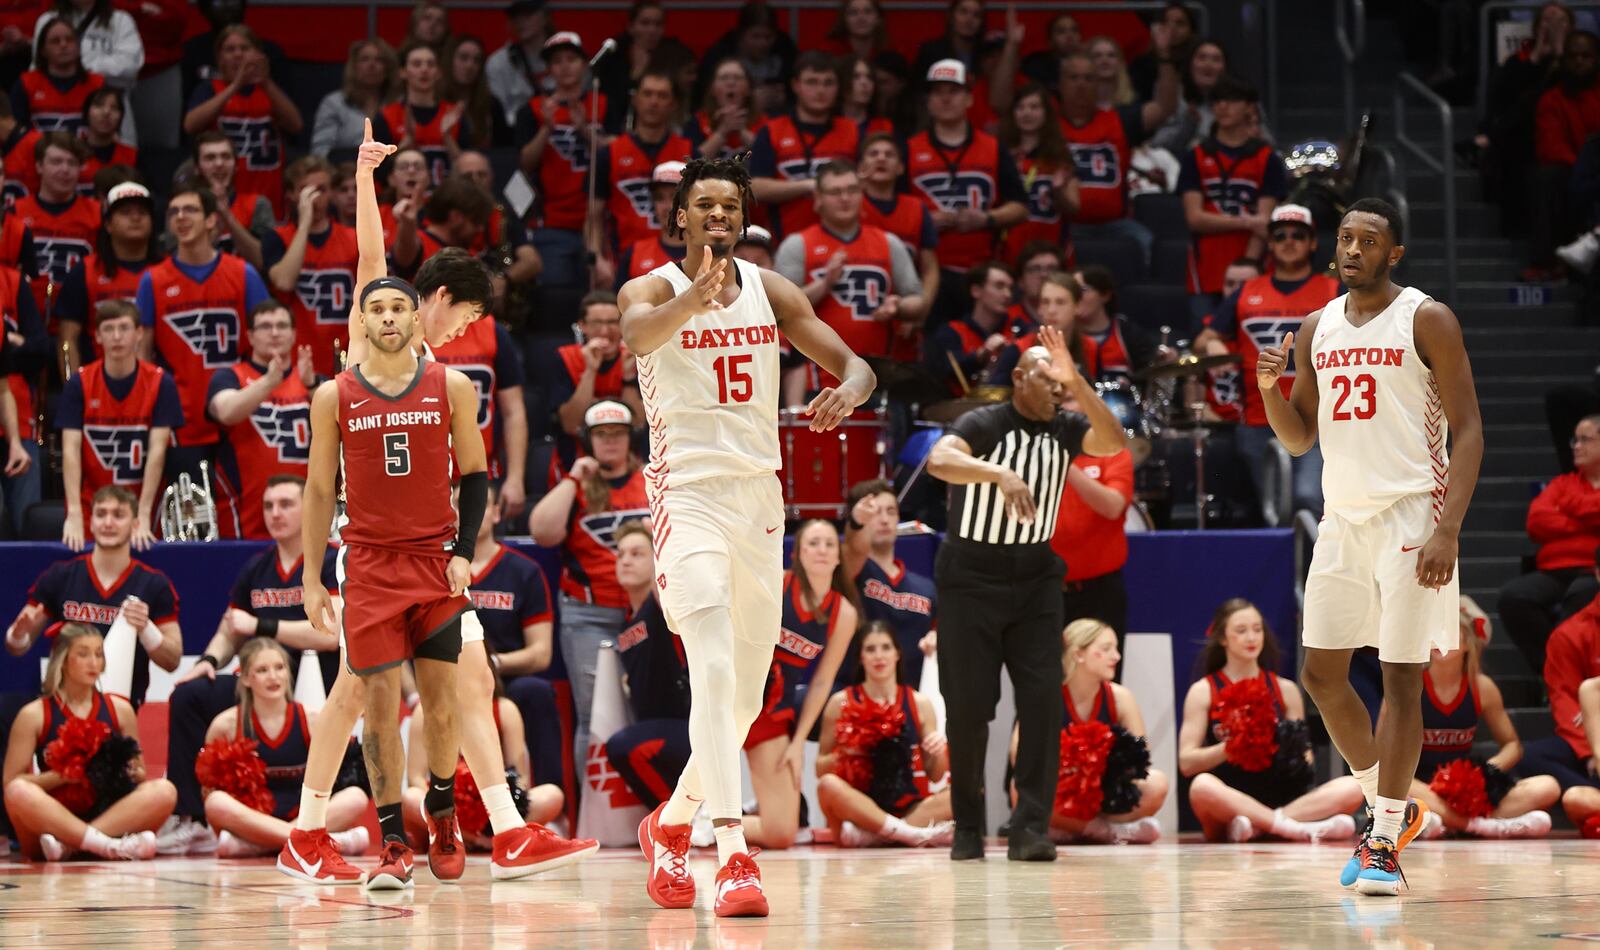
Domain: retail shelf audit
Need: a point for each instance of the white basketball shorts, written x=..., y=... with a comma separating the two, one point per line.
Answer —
x=719, y=542
x=1363, y=592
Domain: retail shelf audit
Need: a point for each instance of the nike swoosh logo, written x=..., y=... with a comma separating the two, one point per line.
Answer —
x=358, y=405
x=516, y=852
x=1408, y=550
x=310, y=869
x=770, y=530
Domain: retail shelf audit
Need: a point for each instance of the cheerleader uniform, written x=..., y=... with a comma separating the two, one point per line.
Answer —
x=1448, y=729
x=1266, y=786
x=1104, y=710
x=57, y=715
x=800, y=644
x=284, y=755
x=910, y=735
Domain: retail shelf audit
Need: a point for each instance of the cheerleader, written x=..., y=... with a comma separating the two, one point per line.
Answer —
x=281, y=730
x=915, y=817
x=1456, y=698
x=819, y=621
x=1582, y=802
x=1234, y=804
x=544, y=801
x=38, y=802
x=1089, y=661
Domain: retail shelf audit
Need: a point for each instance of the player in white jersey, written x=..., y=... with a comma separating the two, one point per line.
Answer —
x=708, y=371
x=520, y=849
x=1383, y=385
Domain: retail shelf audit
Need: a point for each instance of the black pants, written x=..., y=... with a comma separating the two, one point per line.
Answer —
x=1000, y=606
x=536, y=699
x=1103, y=598
x=1552, y=756
x=194, y=704
x=650, y=757
x=1531, y=606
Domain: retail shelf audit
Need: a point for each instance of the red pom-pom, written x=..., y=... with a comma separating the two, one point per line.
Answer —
x=1247, y=722
x=860, y=728
x=232, y=766
x=471, y=814
x=1084, y=746
x=1460, y=785
x=76, y=797
x=74, y=746
x=1591, y=828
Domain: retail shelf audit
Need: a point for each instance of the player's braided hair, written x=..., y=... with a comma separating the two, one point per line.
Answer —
x=712, y=169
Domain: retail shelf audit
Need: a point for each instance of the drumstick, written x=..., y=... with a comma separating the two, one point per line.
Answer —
x=961, y=377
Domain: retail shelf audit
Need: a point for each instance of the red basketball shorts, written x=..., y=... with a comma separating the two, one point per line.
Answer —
x=394, y=602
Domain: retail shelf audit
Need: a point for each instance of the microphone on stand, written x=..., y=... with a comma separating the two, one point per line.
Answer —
x=606, y=49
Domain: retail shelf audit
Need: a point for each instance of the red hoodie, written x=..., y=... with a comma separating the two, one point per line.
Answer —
x=1565, y=522
x=1571, y=656
x=1563, y=122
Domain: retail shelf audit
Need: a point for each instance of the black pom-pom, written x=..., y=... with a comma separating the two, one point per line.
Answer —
x=1496, y=783
x=891, y=783
x=353, y=770
x=1127, y=762
x=519, y=797
x=107, y=771
x=1289, y=763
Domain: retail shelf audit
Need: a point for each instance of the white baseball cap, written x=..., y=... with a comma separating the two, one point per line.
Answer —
x=756, y=234
x=667, y=173
x=607, y=412
x=565, y=38
x=126, y=190
x=1293, y=214
x=948, y=70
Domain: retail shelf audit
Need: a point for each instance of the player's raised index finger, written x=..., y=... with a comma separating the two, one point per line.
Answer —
x=366, y=130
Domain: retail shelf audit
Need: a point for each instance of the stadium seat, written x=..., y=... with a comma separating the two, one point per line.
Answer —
x=43, y=521
x=1162, y=214
x=1169, y=262
x=1120, y=256
x=1153, y=306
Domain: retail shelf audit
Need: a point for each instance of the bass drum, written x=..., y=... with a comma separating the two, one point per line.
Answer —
x=1136, y=520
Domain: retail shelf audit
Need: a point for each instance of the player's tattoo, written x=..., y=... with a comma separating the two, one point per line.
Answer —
x=375, y=748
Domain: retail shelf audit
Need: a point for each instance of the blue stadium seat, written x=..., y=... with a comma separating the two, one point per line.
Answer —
x=1162, y=214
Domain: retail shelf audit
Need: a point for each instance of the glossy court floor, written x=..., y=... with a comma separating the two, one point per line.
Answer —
x=1464, y=894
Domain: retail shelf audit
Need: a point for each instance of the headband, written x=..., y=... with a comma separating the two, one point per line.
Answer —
x=389, y=283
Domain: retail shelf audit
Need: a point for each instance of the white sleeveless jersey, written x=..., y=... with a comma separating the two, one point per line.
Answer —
x=711, y=392
x=1379, y=419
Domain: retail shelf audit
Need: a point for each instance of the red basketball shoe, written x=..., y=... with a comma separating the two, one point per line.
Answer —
x=666, y=847
x=739, y=889
x=532, y=849
x=394, y=868
x=311, y=856
x=447, y=852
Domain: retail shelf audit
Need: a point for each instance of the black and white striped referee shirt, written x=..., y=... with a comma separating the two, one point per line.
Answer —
x=1038, y=452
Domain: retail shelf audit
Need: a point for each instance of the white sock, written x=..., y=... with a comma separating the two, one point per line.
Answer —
x=897, y=829
x=98, y=842
x=1387, y=813
x=1368, y=777
x=503, y=815
x=681, y=807
x=313, y=814
x=730, y=841
x=1486, y=827
x=1285, y=827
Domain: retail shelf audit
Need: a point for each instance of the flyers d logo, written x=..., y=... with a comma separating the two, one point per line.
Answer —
x=57, y=255
x=286, y=427
x=963, y=189
x=1042, y=201
x=572, y=145
x=1097, y=165
x=254, y=139
x=211, y=334
x=637, y=191
x=326, y=293
x=119, y=450
x=861, y=289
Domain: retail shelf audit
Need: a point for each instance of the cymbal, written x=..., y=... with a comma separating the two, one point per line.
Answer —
x=952, y=409
x=1187, y=365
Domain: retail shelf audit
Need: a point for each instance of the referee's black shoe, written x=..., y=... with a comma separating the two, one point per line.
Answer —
x=967, y=846
x=1029, y=845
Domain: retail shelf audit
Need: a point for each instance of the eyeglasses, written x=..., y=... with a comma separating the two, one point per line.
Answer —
x=1578, y=440
x=1291, y=234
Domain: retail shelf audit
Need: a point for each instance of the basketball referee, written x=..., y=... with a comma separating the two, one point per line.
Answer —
x=1000, y=583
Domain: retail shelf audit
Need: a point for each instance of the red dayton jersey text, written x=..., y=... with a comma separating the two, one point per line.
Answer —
x=950, y=179
x=199, y=330
x=246, y=120
x=397, y=463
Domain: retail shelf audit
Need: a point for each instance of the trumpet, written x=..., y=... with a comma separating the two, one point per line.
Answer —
x=188, y=512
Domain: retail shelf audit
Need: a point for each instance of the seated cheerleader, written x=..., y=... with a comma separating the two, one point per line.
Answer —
x=542, y=802
x=1582, y=802
x=90, y=792
x=1456, y=698
x=865, y=808
x=819, y=623
x=257, y=820
x=1232, y=719
x=1089, y=661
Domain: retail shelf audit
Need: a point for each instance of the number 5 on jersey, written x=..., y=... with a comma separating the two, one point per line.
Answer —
x=732, y=378
x=396, y=453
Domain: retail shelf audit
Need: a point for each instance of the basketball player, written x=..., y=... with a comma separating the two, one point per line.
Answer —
x=1385, y=362
x=707, y=347
x=453, y=287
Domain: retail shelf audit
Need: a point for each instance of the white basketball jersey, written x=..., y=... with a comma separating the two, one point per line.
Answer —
x=1379, y=420
x=711, y=392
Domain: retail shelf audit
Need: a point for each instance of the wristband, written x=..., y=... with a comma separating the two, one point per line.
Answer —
x=472, y=502
x=267, y=627
x=208, y=658
x=150, y=637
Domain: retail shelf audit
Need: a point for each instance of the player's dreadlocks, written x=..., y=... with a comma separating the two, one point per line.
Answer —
x=712, y=169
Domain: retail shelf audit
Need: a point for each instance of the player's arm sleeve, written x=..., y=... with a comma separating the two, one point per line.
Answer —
x=69, y=408
x=507, y=359
x=907, y=280
x=169, y=408
x=145, y=299
x=254, y=290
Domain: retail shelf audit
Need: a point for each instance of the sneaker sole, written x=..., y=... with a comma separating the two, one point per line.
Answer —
x=1412, y=828
x=751, y=907
x=648, y=849
x=388, y=882
x=447, y=878
x=1375, y=888
x=321, y=881
x=514, y=872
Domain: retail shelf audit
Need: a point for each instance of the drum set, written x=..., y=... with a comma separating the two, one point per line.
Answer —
x=1160, y=408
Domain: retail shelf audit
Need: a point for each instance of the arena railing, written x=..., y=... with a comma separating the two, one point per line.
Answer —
x=1442, y=163
x=1350, y=32
x=1278, y=500
x=1197, y=9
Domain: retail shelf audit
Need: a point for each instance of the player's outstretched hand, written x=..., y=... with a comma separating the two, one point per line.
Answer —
x=319, y=609
x=708, y=280
x=1436, y=562
x=1274, y=362
x=459, y=573
x=830, y=407
x=371, y=154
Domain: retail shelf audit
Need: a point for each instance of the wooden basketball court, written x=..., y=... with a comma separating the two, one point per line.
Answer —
x=1514, y=894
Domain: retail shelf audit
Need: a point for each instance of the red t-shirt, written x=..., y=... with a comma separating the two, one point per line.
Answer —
x=1565, y=522
x=1571, y=656
x=1563, y=122
x=1090, y=544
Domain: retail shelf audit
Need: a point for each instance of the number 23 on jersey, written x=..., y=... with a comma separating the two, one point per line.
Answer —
x=1357, y=397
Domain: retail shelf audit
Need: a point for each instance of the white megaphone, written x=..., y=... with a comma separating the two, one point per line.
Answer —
x=120, y=645
x=608, y=811
x=309, y=690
